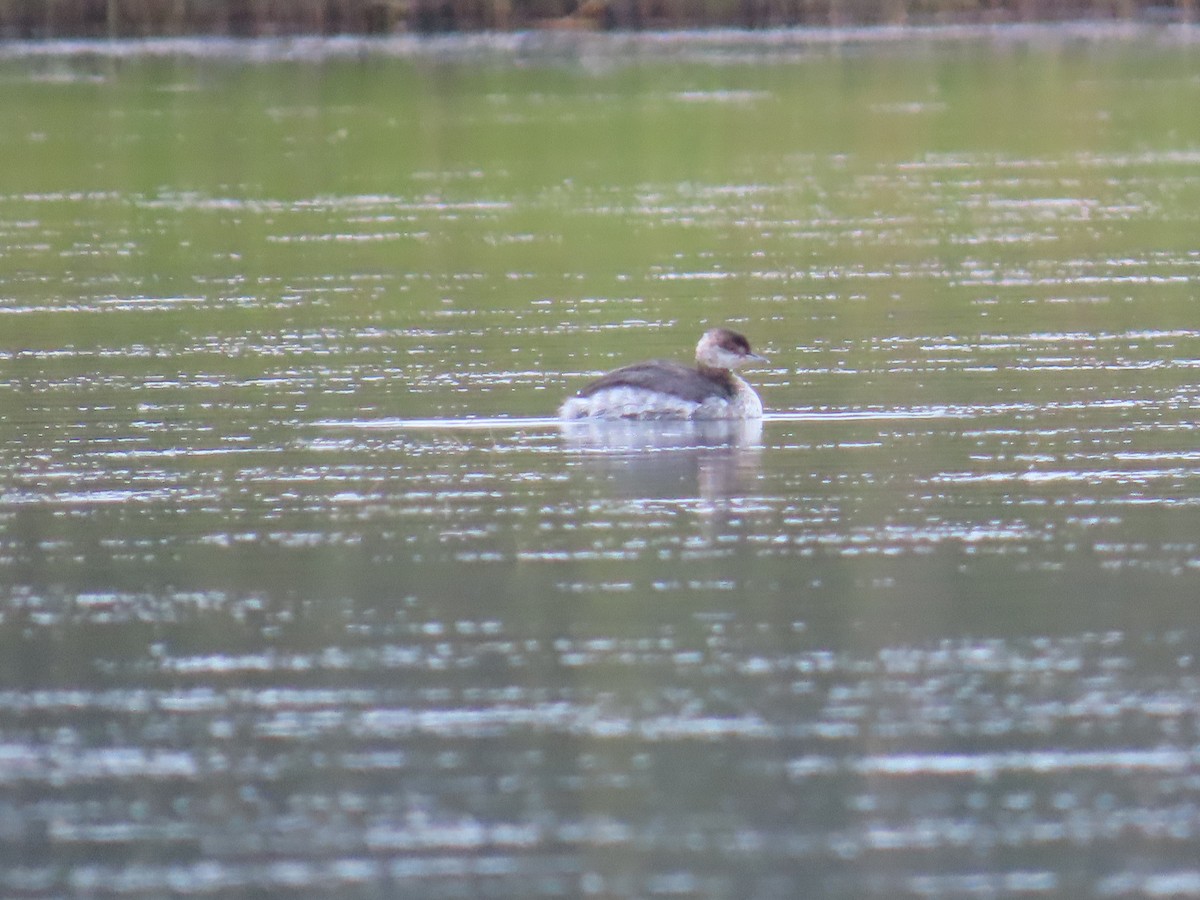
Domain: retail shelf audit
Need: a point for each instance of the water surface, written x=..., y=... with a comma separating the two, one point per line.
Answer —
x=304, y=592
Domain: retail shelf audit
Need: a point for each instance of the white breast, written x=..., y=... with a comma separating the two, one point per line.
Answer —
x=743, y=405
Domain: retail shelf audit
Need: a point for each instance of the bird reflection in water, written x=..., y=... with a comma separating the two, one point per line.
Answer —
x=713, y=461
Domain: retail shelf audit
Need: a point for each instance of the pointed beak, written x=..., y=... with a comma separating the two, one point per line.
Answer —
x=756, y=357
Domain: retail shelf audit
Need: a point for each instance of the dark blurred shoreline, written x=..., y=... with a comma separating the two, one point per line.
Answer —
x=68, y=19
x=600, y=48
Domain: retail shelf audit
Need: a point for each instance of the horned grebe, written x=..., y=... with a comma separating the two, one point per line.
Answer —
x=660, y=389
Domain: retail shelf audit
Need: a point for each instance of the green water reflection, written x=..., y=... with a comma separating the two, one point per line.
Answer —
x=929, y=632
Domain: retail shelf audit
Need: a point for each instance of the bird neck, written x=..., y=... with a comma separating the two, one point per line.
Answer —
x=724, y=378
x=716, y=373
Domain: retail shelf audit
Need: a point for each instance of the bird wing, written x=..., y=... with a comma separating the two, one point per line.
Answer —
x=666, y=376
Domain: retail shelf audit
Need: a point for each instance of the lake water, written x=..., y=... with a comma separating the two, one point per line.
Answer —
x=303, y=592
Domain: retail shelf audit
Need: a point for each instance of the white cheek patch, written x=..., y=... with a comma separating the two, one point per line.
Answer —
x=724, y=359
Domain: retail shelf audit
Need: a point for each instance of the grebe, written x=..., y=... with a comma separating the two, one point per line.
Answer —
x=660, y=389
